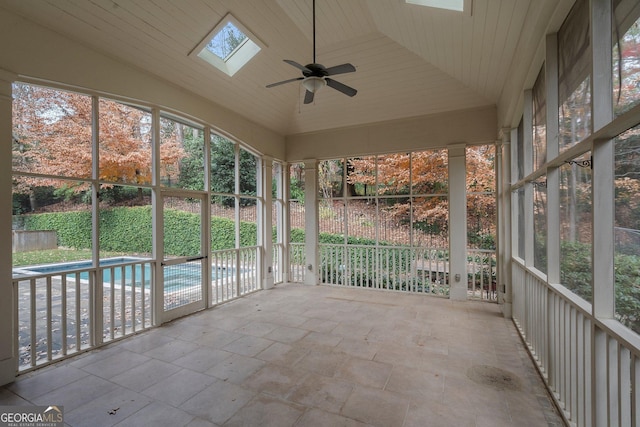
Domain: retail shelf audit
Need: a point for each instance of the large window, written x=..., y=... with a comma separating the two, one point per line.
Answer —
x=384, y=221
x=574, y=76
x=539, y=121
x=575, y=226
x=481, y=197
x=181, y=155
x=540, y=224
x=626, y=57
x=627, y=228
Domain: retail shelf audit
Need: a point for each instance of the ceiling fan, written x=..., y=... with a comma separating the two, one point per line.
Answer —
x=315, y=76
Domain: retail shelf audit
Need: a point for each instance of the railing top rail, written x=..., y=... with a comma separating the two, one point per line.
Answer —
x=415, y=248
x=23, y=273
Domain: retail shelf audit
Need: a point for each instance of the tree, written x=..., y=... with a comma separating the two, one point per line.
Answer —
x=52, y=137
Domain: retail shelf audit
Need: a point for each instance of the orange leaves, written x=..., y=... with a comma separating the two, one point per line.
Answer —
x=53, y=137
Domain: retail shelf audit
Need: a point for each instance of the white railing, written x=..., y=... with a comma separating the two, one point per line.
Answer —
x=481, y=274
x=591, y=366
x=278, y=257
x=420, y=270
x=60, y=313
x=297, y=262
x=234, y=273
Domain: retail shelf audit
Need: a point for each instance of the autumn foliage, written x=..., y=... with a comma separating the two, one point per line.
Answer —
x=52, y=137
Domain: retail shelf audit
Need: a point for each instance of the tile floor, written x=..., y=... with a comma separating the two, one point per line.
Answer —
x=305, y=356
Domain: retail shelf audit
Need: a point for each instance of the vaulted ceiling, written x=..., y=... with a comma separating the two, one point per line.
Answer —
x=411, y=60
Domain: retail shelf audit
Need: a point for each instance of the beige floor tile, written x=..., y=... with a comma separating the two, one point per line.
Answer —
x=202, y=359
x=416, y=385
x=266, y=411
x=319, y=418
x=283, y=354
x=256, y=329
x=108, y=410
x=236, y=368
x=365, y=372
x=45, y=381
x=145, y=375
x=323, y=360
x=157, y=414
x=319, y=325
x=218, y=402
x=317, y=391
x=179, y=387
x=376, y=407
x=248, y=345
x=274, y=380
x=286, y=334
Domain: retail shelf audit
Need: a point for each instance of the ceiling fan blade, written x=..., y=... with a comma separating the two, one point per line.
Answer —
x=308, y=97
x=285, y=81
x=340, y=69
x=341, y=87
x=298, y=66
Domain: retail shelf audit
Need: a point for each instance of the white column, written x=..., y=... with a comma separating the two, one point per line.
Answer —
x=503, y=174
x=457, y=223
x=553, y=197
x=527, y=146
x=265, y=223
x=603, y=213
x=157, y=291
x=8, y=309
x=312, y=275
x=553, y=174
x=603, y=207
x=285, y=224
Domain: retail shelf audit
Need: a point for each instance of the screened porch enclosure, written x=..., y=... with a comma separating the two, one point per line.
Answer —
x=162, y=217
x=383, y=222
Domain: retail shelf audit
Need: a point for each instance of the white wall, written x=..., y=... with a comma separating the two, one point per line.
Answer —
x=476, y=126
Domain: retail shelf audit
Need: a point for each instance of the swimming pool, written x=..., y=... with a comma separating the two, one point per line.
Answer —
x=127, y=268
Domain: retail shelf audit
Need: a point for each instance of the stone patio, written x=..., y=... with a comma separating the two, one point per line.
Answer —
x=305, y=356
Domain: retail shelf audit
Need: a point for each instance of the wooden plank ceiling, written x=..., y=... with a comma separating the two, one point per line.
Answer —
x=411, y=60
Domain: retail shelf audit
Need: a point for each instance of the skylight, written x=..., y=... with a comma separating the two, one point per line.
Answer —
x=457, y=5
x=226, y=41
x=228, y=47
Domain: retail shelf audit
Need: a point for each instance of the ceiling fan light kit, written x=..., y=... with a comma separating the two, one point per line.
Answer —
x=313, y=84
x=316, y=76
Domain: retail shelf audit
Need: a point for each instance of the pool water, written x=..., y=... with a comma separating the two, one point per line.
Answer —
x=176, y=276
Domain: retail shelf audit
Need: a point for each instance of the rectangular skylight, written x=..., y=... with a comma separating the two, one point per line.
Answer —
x=226, y=41
x=228, y=47
x=457, y=5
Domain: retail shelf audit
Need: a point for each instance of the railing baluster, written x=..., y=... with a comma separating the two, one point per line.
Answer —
x=32, y=292
x=123, y=302
x=133, y=297
x=112, y=302
x=48, y=317
x=63, y=313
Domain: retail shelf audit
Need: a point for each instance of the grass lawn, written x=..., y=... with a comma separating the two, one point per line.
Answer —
x=50, y=256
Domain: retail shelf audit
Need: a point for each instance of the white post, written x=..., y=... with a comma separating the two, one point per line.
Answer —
x=527, y=146
x=157, y=290
x=8, y=309
x=312, y=276
x=503, y=173
x=603, y=206
x=264, y=223
x=603, y=213
x=553, y=198
x=285, y=223
x=457, y=223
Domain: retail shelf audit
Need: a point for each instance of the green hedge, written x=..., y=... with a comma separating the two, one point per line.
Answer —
x=129, y=229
